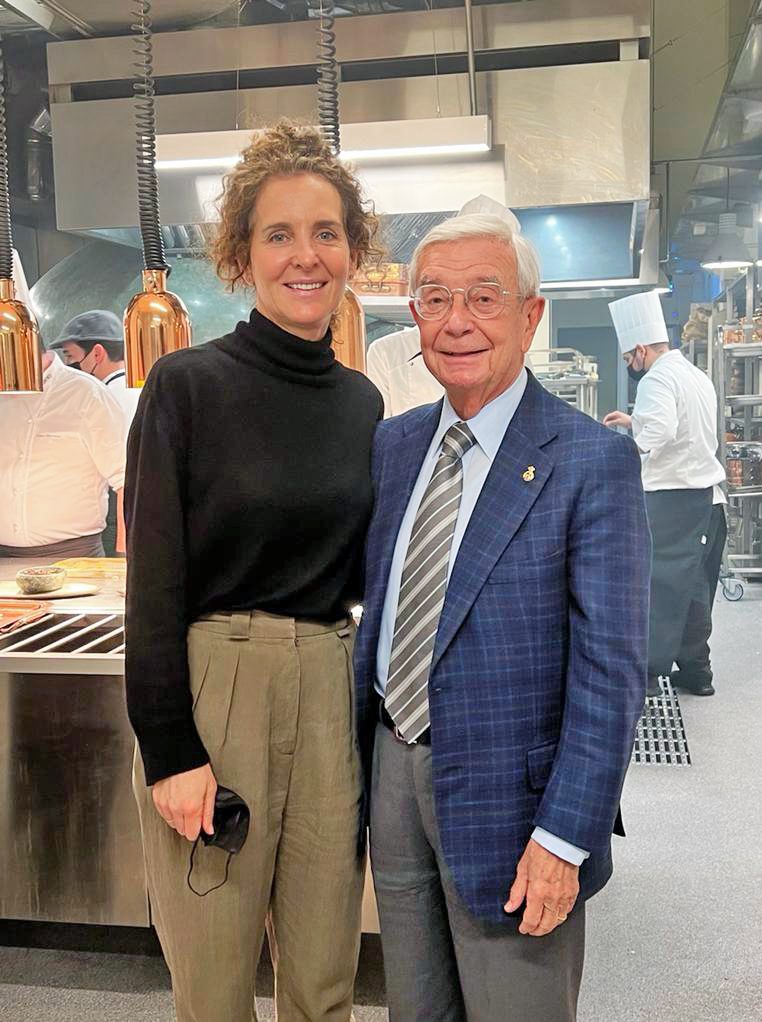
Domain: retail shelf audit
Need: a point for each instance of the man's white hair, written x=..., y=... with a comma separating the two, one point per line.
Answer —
x=479, y=225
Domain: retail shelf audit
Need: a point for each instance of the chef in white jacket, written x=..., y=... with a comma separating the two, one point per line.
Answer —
x=395, y=363
x=674, y=424
x=396, y=366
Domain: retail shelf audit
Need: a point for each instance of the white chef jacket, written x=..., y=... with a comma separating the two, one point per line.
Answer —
x=396, y=366
x=127, y=397
x=674, y=423
x=59, y=453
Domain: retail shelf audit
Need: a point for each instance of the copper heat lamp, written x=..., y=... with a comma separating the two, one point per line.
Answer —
x=20, y=351
x=156, y=321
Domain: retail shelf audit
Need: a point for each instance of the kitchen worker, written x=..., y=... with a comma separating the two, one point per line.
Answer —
x=674, y=424
x=61, y=451
x=94, y=342
x=396, y=367
x=395, y=363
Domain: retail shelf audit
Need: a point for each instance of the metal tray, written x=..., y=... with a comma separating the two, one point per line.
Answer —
x=66, y=642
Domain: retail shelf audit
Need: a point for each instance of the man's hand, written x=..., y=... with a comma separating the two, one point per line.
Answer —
x=618, y=419
x=186, y=801
x=550, y=886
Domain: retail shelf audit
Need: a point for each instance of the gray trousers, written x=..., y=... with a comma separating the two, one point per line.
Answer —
x=442, y=964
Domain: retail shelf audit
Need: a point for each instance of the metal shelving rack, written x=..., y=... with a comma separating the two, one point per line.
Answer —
x=570, y=375
x=740, y=413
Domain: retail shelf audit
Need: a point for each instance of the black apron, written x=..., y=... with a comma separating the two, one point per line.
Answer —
x=80, y=546
x=679, y=521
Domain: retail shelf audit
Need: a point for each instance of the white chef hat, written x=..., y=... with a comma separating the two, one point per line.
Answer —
x=491, y=207
x=638, y=319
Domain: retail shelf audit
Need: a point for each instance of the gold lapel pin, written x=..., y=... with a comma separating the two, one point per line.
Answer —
x=528, y=476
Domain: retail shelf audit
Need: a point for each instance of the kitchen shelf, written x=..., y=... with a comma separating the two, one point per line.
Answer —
x=394, y=307
x=744, y=350
x=743, y=400
x=737, y=366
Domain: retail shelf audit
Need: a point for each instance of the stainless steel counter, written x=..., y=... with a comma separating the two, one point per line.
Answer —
x=70, y=846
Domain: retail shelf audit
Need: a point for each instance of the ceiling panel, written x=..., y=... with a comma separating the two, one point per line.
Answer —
x=116, y=15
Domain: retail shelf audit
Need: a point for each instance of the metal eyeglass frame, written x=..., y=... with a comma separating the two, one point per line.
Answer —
x=416, y=297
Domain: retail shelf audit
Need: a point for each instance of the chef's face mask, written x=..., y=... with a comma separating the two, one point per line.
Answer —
x=231, y=828
x=636, y=374
x=79, y=364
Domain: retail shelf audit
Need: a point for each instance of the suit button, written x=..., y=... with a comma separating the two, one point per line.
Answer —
x=437, y=688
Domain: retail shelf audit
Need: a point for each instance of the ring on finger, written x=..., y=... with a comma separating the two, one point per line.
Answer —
x=560, y=916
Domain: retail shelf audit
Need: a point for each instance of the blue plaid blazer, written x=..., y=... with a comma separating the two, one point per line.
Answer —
x=539, y=670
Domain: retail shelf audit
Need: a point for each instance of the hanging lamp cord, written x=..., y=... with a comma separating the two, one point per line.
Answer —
x=6, y=236
x=145, y=131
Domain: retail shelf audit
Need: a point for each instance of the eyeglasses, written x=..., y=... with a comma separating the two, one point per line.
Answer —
x=485, y=301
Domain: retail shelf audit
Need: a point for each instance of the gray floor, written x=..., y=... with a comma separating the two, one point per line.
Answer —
x=676, y=936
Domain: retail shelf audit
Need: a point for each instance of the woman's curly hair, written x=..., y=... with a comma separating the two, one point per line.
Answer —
x=282, y=151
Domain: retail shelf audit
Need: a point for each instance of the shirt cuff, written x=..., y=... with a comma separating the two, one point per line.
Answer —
x=556, y=845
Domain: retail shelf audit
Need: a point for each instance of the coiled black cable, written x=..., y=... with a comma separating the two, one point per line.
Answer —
x=145, y=125
x=6, y=236
x=328, y=77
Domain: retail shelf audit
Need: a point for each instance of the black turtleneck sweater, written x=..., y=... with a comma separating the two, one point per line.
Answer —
x=248, y=488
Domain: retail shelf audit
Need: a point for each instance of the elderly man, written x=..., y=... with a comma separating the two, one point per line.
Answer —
x=500, y=663
x=395, y=364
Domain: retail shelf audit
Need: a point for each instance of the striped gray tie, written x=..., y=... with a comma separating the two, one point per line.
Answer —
x=423, y=586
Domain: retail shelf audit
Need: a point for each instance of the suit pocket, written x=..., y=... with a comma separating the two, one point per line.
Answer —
x=517, y=570
x=539, y=764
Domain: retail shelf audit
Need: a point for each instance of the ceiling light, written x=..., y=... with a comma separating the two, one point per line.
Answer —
x=572, y=285
x=403, y=140
x=726, y=251
x=413, y=152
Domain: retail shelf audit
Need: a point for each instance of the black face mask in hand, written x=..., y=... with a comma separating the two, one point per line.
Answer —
x=231, y=828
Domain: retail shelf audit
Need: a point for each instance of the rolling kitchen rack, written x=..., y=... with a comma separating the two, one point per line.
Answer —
x=737, y=370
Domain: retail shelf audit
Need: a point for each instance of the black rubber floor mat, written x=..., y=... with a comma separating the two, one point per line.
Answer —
x=660, y=738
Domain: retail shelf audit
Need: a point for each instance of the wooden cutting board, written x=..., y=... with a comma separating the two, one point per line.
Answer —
x=84, y=568
x=66, y=592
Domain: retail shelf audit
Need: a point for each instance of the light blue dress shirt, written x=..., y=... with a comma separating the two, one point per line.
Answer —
x=488, y=428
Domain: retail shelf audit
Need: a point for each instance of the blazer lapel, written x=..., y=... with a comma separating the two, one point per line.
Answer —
x=402, y=464
x=517, y=476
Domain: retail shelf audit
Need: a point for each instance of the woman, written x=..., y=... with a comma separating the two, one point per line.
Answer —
x=248, y=494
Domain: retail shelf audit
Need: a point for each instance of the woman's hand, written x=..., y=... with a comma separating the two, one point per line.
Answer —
x=186, y=801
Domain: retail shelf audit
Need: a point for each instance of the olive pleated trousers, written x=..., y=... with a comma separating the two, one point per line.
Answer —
x=273, y=703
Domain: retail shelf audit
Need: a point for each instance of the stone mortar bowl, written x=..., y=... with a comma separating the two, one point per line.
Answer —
x=40, y=580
